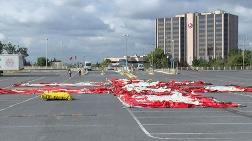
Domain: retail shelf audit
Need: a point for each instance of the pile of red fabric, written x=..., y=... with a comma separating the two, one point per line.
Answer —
x=139, y=93
x=55, y=84
x=56, y=89
x=171, y=94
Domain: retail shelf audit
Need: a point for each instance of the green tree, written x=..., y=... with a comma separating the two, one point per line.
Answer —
x=217, y=62
x=200, y=63
x=10, y=48
x=1, y=47
x=23, y=51
x=247, y=57
x=158, y=57
x=41, y=61
x=235, y=58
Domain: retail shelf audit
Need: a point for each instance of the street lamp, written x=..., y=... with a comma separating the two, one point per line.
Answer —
x=172, y=53
x=46, y=50
x=243, y=52
x=126, y=46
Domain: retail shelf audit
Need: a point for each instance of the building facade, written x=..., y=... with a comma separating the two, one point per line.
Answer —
x=197, y=35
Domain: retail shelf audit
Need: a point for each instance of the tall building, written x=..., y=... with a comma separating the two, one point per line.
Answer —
x=197, y=35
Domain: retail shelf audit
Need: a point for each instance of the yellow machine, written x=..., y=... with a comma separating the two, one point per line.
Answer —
x=51, y=95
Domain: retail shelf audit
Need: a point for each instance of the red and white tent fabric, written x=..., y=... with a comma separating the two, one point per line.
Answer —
x=55, y=84
x=56, y=89
x=139, y=93
x=164, y=95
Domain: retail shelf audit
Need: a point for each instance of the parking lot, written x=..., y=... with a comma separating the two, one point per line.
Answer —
x=103, y=117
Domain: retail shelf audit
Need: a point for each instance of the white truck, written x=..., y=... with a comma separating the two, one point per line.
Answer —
x=10, y=62
x=87, y=65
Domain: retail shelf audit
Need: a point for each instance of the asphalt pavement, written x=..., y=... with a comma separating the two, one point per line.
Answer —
x=104, y=118
x=233, y=124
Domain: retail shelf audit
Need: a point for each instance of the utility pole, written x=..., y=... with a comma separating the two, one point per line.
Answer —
x=126, y=46
x=46, y=50
x=172, y=54
x=61, y=47
x=152, y=57
x=243, y=52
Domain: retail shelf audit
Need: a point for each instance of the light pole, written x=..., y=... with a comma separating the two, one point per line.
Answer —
x=126, y=46
x=46, y=50
x=152, y=57
x=243, y=52
x=172, y=54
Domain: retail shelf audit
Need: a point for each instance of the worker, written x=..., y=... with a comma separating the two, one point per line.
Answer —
x=69, y=72
x=79, y=72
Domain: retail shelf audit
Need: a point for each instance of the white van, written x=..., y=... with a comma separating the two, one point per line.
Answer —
x=87, y=65
x=140, y=67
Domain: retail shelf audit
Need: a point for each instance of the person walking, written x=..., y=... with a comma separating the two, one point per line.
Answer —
x=69, y=72
x=79, y=72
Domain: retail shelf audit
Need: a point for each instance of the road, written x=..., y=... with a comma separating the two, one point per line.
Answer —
x=104, y=118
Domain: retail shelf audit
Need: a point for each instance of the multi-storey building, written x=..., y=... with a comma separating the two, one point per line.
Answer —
x=197, y=35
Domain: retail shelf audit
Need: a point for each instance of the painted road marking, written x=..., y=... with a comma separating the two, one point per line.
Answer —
x=3, y=79
x=69, y=78
x=45, y=126
x=18, y=103
x=197, y=133
x=205, y=123
x=26, y=82
x=241, y=94
x=227, y=116
x=166, y=138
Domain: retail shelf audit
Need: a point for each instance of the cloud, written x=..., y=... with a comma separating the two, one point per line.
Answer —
x=27, y=41
x=89, y=9
x=94, y=28
x=2, y=36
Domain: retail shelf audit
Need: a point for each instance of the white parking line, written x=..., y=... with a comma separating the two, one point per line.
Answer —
x=69, y=78
x=27, y=82
x=139, y=123
x=3, y=79
x=199, y=116
x=166, y=138
x=197, y=133
x=18, y=103
x=243, y=102
x=46, y=126
x=242, y=94
x=13, y=105
x=190, y=123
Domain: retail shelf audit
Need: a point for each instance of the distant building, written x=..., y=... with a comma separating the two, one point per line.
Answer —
x=121, y=61
x=197, y=35
x=57, y=64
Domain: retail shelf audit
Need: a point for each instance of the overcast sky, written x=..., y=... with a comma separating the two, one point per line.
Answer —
x=94, y=29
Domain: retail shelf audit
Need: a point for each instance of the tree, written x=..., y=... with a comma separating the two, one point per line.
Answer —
x=247, y=57
x=235, y=57
x=1, y=47
x=200, y=63
x=23, y=51
x=217, y=62
x=158, y=57
x=10, y=48
x=41, y=61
